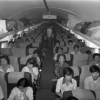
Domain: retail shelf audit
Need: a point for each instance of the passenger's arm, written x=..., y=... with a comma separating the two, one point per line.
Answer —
x=29, y=94
x=56, y=70
x=86, y=84
x=12, y=95
x=58, y=88
x=75, y=84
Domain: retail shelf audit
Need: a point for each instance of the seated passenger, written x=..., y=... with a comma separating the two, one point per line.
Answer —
x=5, y=67
x=57, y=45
x=36, y=54
x=66, y=83
x=76, y=50
x=96, y=60
x=70, y=46
x=93, y=82
x=5, y=64
x=22, y=91
x=60, y=51
x=59, y=65
x=31, y=68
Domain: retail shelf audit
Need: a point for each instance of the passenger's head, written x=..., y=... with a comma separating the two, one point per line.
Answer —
x=4, y=60
x=70, y=42
x=88, y=52
x=10, y=44
x=76, y=48
x=96, y=57
x=72, y=98
x=60, y=50
x=31, y=62
x=68, y=73
x=36, y=53
x=57, y=43
x=22, y=84
x=62, y=58
x=95, y=71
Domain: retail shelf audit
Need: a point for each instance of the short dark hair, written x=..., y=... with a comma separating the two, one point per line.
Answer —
x=72, y=98
x=58, y=41
x=32, y=61
x=96, y=54
x=76, y=46
x=63, y=56
x=5, y=57
x=23, y=82
x=70, y=41
x=88, y=52
x=94, y=68
x=68, y=71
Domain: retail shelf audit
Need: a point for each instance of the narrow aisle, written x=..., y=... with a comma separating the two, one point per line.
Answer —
x=44, y=93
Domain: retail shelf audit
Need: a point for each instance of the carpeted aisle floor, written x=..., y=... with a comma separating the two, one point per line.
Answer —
x=44, y=92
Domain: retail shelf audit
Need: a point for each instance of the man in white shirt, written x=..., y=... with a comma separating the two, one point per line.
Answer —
x=76, y=50
x=65, y=83
x=93, y=82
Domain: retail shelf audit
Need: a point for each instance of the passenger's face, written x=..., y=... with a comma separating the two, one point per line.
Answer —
x=70, y=44
x=57, y=44
x=61, y=59
x=76, y=49
x=3, y=61
x=95, y=75
x=30, y=66
x=97, y=58
x=60, y=51
x=68, y=78
x=22, y=89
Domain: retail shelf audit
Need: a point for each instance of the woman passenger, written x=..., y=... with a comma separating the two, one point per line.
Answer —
x=59, y=65
x=22, y=91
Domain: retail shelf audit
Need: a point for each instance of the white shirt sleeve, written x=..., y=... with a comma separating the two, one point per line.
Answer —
x=55, y=57
x=24, y=69
x=86, y=84
x=58, y=85
x=35, y=70
x=29, y=93
x=13, y=93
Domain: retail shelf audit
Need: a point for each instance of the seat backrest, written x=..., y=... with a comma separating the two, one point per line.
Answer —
x=14, y=63
x=84, y=49
x=80, y=59
x=85, y=73
x=69, y=59
x=6, y=51
x=3, y=84
x=22, y=45
x=35, y=45
x=13, y=77
x=19, y=52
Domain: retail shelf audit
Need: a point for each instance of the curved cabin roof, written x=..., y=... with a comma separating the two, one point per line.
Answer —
x=86, y=9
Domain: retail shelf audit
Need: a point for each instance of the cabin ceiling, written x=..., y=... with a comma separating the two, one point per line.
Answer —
x=88, y=10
